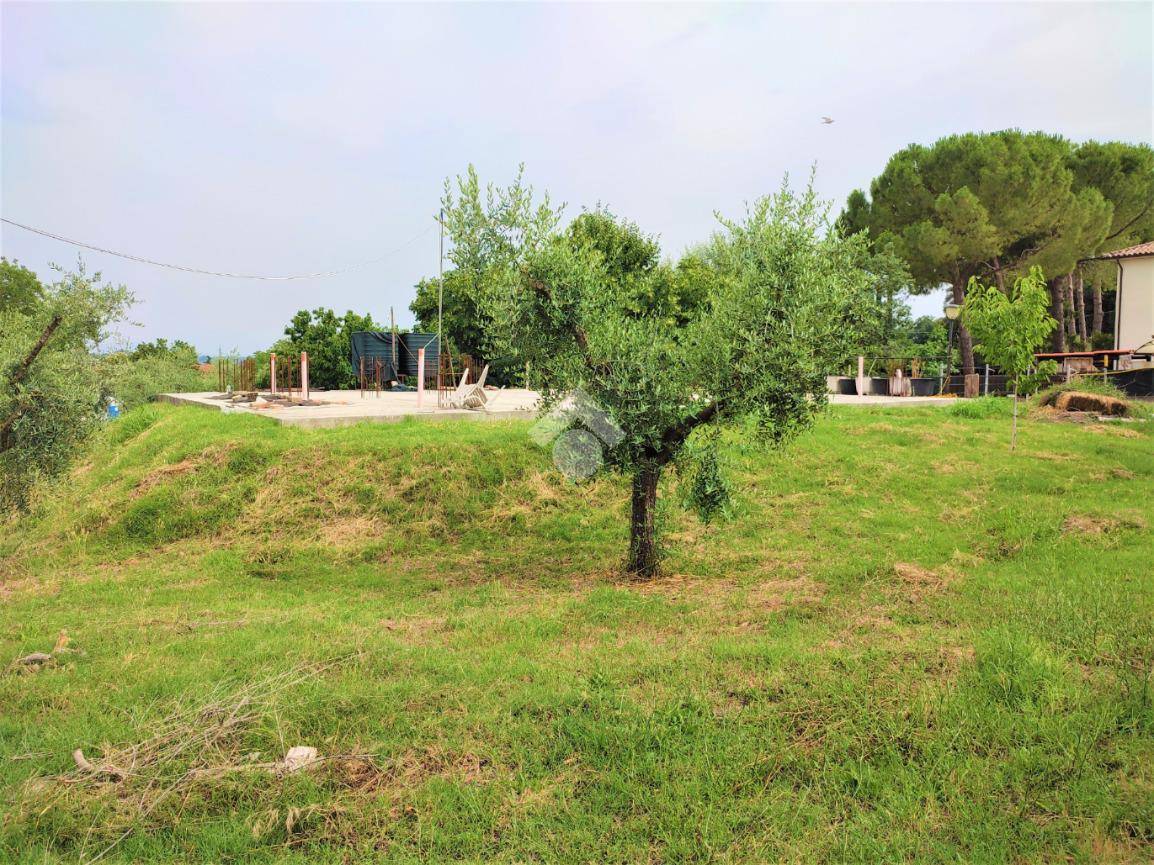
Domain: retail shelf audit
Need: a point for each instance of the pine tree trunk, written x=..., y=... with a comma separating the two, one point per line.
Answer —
x=1099, y=314
x=1071, y=320
x=965, y=341
x=643, y=556
x=1058, y=336
x=1080, y=305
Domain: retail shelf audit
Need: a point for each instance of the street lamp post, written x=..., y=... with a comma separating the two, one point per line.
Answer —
x=952, y=311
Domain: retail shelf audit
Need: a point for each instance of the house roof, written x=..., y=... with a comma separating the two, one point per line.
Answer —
x=1130, y=251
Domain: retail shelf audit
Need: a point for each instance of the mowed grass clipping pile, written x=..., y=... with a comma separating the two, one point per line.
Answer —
x=906, y=645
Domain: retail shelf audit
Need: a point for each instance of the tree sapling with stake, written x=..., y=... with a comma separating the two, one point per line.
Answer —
x=1008, y=328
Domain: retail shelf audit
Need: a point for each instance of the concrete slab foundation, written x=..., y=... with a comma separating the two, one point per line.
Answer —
x=345, y=407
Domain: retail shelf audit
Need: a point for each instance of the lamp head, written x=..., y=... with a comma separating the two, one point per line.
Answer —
x=952, y=311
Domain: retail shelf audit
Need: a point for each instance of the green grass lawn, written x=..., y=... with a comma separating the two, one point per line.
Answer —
x=907, y=645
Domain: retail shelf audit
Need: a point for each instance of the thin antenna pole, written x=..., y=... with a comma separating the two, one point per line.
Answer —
x=440, y=296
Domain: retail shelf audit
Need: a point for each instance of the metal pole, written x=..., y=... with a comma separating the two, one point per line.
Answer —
x=440, y=295
x=949, y=356
x=986, y=388
x=393, y=347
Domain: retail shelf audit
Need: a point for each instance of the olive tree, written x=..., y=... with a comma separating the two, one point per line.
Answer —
x=1009, y=327
x=762, y=311
x=51, y=383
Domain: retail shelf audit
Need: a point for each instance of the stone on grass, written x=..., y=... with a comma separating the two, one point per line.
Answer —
x=298, y=757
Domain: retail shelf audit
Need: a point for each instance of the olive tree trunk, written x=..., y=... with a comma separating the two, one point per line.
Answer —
x=643, y=554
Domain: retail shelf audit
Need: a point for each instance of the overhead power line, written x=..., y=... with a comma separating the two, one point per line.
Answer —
x=204, y=272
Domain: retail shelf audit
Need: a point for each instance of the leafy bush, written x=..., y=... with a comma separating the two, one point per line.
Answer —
x=134, y=380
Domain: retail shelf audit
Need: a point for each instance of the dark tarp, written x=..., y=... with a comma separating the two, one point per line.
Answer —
x=373, y=345
x=407, y=354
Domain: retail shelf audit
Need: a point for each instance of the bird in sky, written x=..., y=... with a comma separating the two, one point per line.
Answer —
x=827, y=120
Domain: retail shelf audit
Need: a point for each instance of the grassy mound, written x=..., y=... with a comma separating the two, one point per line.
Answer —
x=1092, y=393
x=906, y=644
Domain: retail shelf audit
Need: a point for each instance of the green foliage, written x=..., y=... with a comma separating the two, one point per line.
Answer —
x=1009, y=327
x=708, y=491
x=327, y=338
x=20, y=289
x=982, y=203
x=179, y=350
x=464, y=322
x=781, y=300
x=153, y=368
x=891, y=280
x=51, y=402
x=1124, y=174
x=490, y=231
x=1099, y=341
x=632, y=261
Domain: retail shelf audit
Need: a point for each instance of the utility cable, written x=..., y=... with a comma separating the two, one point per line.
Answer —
x=203, y=272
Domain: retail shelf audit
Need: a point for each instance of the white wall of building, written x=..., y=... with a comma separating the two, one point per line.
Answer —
x=1135, y=320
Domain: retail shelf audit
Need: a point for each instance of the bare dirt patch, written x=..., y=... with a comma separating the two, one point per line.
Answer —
x=1114, y=429
x=411, y=769
x=776, y=594
x=1086, y=524
x=346, y=531
x=918, y=580
x=414, y=627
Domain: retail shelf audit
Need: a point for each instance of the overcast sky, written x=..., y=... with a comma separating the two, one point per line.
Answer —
x=281, y=139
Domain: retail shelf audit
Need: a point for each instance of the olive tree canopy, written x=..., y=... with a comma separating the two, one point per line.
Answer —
x=743, y=331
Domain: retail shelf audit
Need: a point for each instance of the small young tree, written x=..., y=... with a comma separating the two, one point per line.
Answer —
x=1008, y=327
x=762, y=312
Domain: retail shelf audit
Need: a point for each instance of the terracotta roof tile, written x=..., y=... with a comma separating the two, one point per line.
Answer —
x=1130, y=251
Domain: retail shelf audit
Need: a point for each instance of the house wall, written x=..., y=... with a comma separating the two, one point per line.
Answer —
x=1135, y=319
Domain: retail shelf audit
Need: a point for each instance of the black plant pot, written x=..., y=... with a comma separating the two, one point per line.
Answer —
x=923, y=386
x=843, y=385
